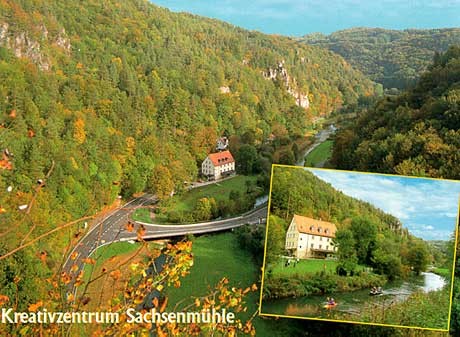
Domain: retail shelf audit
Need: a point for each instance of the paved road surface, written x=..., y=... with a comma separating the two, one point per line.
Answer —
x=105, y=232
x=113, y=229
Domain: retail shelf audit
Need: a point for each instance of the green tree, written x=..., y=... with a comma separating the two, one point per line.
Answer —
x=385, y=257
x=204, y=209
x=287, y=157
x=346, y=252
x=246, y=159
x=418, y=256
x=276, y=237
x=364, y=232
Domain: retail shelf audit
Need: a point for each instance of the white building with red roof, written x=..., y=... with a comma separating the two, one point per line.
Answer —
x=310, y=238
x=218, y=165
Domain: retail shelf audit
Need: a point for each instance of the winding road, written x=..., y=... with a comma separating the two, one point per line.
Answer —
x=113, y=229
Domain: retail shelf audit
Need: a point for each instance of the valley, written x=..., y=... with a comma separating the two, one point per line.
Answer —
x=120, y=103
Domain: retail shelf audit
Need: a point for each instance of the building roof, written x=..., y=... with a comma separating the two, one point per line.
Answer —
x=315, y=227
x=221, y=158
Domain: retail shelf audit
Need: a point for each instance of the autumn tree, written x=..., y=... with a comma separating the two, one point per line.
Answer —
x=162, y=182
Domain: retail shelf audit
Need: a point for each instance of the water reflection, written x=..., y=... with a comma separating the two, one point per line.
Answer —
x=433, y=282
x=306, y=310
x=355, y=302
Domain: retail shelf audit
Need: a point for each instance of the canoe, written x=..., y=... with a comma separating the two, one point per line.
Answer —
x=330, y=306
x=374, y=293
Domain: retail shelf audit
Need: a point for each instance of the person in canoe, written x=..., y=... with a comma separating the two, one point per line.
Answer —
x=331, y=303
x=376, y=291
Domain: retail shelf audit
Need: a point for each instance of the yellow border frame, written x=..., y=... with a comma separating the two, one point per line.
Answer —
x=355, y=322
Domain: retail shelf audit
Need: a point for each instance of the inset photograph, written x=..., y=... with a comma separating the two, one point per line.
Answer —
x=360, y=248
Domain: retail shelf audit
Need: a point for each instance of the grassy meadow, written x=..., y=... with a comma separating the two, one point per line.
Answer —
x=320, y=154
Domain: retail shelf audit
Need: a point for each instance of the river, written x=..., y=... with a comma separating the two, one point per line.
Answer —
x=356, y=301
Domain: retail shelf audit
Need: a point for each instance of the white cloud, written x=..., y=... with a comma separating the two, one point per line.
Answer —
x=406, y=198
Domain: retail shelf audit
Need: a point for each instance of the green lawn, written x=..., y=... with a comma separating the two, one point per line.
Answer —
x=217, y=256
x=444, y=272
x=320, y=154
x=220, y=190
x=141, y=214
x=104, y=253
x=310, y=266
x=114, y=249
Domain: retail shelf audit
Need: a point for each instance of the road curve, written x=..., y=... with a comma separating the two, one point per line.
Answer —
x=154, y=231
x=113, y=229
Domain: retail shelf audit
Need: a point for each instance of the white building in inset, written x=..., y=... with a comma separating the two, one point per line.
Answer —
x=310, y=238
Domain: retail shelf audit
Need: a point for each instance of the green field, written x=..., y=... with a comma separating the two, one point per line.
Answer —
x=104, y=253
x=309, y=266
x=114, y=249
x=219, y=190
x=320, y=154
x=444, y=272
x=142, y=214
x=218, y=256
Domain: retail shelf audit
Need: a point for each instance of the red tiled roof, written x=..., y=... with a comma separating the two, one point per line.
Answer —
x=221, y=158
x=315, y=227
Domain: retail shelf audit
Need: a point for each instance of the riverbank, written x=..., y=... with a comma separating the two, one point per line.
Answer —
x=430, y=310
x=421, y=301
x=321, y=283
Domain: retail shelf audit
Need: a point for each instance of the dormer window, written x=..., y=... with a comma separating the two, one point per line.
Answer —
x=312, y=228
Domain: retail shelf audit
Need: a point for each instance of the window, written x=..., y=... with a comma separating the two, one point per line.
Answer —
x=300, y=238
x=312, y=245
x=300, y=247
x=327, y=247
x=320, y=238
x=320, y=246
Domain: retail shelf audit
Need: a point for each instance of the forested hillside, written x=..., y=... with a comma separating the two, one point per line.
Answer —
x=119, y=97
x=416, y=133
x=394, y=58
x=297, y=191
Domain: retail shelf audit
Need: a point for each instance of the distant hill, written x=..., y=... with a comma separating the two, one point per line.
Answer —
x=391, y=57
x=415, y=133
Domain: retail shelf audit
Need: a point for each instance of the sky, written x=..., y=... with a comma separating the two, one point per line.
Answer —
x=300, y=17
x=427, y=207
